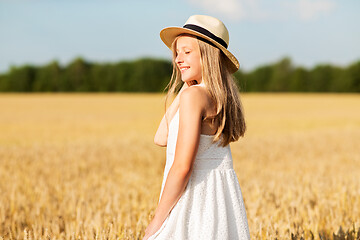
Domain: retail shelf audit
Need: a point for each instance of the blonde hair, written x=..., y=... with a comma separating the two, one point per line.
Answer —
x=222, y=88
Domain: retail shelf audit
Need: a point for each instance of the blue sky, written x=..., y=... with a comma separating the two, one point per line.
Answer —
x=310, y=32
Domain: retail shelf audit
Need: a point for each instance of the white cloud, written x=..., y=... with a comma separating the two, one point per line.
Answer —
x=232, y=9
x=310, y=9
x=263, y=10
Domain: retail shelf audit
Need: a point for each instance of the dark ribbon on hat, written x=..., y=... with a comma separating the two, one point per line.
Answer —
x=206, y=33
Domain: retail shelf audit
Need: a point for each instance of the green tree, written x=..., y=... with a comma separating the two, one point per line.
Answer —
x=148, y=75
x=48, y=78
x=102, y=78
x=299, y=80
x=258, y=80
x=340, y=80
x=123, y=73
x=353, y=72
x=76, y=76
x=20, y=79
x=153, y=75
x=240, y=77
x=321, y=78
x=281, y=74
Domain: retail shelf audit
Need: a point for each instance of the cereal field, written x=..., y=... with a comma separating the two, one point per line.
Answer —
x=84, y=166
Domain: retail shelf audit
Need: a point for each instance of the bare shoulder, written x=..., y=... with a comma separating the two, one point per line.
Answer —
x=195, y=96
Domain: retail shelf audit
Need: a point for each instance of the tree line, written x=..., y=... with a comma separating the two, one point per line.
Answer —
x=152, y=75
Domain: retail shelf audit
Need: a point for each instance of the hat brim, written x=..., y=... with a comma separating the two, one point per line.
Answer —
x=169, y=34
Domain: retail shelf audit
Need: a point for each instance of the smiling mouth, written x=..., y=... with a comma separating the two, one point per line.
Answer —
x=183, y=69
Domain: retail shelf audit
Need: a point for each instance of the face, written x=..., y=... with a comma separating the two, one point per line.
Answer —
x=188, y=59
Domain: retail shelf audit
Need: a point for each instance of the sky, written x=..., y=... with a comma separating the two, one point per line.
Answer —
x=310, y=32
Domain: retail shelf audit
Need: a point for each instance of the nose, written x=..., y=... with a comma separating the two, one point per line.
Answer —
x=179, y=58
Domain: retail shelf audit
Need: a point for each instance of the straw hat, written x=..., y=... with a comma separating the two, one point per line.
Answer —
x=209, y=28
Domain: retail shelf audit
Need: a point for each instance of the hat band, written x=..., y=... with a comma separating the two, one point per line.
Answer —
x=206, y=33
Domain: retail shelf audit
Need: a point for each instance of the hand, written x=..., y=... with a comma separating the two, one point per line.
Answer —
x=153, y=227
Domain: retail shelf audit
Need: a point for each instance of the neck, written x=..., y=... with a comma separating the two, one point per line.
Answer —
x=190, y=83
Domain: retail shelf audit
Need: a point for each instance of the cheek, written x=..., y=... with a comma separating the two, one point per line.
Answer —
x=197, y=61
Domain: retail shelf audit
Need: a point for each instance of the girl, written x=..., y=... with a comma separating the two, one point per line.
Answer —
x=200, y=195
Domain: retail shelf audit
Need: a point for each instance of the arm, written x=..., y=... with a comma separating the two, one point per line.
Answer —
x=162, y=132
x=191, y=111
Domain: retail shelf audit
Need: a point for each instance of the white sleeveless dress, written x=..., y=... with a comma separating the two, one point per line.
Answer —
x=211, y=206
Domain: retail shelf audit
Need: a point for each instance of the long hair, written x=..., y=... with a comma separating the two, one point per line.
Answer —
x=222, y=88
